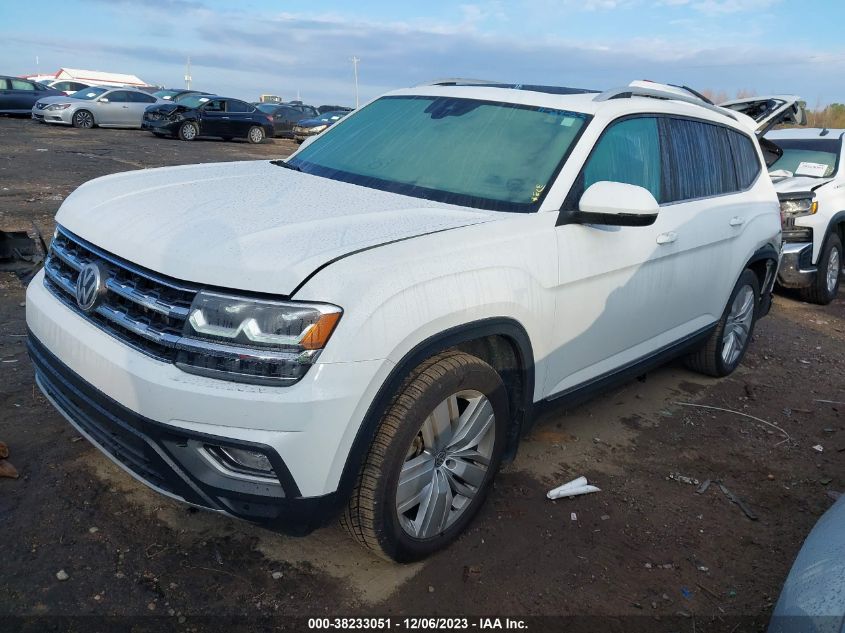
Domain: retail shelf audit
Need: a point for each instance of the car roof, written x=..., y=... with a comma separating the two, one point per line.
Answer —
x=637, y=97
x=806, y=133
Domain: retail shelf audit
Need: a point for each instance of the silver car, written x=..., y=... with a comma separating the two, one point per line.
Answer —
x=102, y=106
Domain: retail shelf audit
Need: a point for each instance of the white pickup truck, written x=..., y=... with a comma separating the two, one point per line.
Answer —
x=810, y=184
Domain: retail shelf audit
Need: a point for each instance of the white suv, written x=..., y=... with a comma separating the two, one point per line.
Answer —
x=367, y=327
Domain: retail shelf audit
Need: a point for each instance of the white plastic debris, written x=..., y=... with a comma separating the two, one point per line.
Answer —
x=573, y=516
x=818, y=448
x=572, y=488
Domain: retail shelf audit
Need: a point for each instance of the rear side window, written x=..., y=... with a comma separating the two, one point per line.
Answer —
x=239, y=106
x=142, y=97
x=699, y=160
x=745, y=158
x=627, y=152
x=20, y=84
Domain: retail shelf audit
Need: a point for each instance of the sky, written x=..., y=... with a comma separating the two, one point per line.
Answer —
x=289, y=48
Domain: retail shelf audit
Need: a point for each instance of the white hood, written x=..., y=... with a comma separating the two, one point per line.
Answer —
x=799, y=183
x=245, y=225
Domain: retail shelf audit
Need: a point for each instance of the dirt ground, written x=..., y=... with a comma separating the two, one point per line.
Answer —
x=646, y=549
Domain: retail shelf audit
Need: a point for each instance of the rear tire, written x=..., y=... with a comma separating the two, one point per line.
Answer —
x=256, y=135
x=825, y=286
x=188, y=131
x=442, y=439
x=726, y=347
x=83, y=119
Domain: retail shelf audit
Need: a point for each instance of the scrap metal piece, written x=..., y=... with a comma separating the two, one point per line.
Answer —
x=734, y=499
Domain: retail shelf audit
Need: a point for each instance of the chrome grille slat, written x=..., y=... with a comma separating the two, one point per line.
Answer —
x=142, y=310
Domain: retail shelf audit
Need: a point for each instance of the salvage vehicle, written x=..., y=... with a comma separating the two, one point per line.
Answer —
x=369, y=327
x=209, y=115
x=286, y=116
x=17, y=95
x=310, y=127
x=811, y=187
x=97, y=106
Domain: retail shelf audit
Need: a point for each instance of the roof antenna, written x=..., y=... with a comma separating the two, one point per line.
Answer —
x=824, y=132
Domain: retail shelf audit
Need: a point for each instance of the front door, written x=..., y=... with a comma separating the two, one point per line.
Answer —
x=215, y=119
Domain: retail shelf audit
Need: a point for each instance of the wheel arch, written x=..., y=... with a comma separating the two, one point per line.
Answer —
x=502, y=342
x=89, y=111
x=837, y=226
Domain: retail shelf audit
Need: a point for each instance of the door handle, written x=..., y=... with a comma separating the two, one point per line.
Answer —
x=667, y=238
x=125, y=106
x=737, y=221
x=224, y=117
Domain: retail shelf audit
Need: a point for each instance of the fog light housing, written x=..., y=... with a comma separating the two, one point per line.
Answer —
x=244, y=461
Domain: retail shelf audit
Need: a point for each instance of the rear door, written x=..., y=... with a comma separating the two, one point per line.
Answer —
x=140, y=101
x=767, y=112
x=6, y=97
x=23, y=95
x=241, y=117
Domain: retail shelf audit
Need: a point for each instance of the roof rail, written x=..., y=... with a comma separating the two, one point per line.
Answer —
x=626, y=92
x=455, y=81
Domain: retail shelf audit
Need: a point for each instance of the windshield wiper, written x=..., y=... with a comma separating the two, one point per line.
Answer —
x=284, y=164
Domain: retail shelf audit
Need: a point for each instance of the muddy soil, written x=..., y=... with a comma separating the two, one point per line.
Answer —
x=645, y=549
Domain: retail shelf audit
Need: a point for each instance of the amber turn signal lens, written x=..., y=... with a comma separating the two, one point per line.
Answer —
x=320, y=332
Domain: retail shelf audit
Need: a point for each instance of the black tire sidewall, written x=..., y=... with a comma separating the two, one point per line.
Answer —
x=394, y=540
x=830, y=243
x=183, y=126
x=249, y=134
x=747, y=278
x=76, y=119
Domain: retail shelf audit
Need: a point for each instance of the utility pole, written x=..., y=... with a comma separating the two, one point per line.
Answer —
x=355, y=61
x=188, y=74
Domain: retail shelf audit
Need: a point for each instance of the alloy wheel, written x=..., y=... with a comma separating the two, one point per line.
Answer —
x=84, y=119
x=256, y=135
x=738, y=325
x=446, y=464
x=189, y=132
x=833, y=266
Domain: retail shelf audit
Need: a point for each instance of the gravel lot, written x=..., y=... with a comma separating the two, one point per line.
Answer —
x=647, y=549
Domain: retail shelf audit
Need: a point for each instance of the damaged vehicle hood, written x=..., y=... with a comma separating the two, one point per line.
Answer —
x=246, y=225
x=796, y=184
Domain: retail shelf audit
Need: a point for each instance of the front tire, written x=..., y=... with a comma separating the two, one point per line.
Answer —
x=83, y=119
x=256, y=135
x=188, y=131
x=825, y=286
x=726, y=347
x=433, y=459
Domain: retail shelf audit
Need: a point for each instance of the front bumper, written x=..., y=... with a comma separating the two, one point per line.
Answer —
x=155, y=420
x=164, y=126
x=51, y=116
x=300, y=134
x=796, y=265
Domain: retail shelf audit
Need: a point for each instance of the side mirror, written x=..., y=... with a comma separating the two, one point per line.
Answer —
x=103, y=99
x=617, y=204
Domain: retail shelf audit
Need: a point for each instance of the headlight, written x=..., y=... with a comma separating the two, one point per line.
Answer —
x=797, y=207
x=58, y=106
x=317, y=128
x=254, y=340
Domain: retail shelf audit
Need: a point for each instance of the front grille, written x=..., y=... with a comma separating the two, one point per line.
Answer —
x=140, y=308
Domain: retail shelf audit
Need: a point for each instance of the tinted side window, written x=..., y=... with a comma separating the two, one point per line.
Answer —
x=4, y=83
x=698, y=158
x=627, y=152
x=745, y=157
x=239, y=106
x=119, y=96
x=215, y=105
x=142, y=97
x=20, y=84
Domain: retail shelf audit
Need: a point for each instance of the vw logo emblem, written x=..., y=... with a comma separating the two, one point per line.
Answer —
x=89, y=286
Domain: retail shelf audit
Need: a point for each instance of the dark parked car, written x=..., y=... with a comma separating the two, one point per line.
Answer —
x=17, y=96
x=176, y=95
x=310, y=127
x=330, y=108
x=285, y=116
x=209, y=115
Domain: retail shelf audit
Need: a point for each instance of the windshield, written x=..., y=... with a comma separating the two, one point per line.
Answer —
x=483, y=154
x=165, y=94
x=194, y=101
x=817, y=157
x=88, y=93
